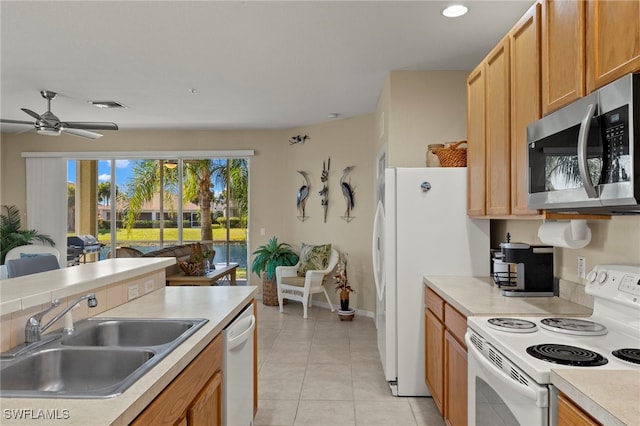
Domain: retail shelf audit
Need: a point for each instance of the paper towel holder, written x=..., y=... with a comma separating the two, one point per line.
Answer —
x=575, y=234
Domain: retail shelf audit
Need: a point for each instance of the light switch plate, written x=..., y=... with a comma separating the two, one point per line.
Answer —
x=133, y=291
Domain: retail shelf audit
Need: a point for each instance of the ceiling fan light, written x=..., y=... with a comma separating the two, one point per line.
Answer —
x=455, y=11
x=47, y=131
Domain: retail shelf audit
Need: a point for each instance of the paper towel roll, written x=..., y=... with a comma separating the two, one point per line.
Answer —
x=559, y=234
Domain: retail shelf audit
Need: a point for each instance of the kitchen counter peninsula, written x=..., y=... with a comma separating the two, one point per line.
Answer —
x=477, y=296
x=217, y=304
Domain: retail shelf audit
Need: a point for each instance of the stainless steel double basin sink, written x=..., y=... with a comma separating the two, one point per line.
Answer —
x=100, y=359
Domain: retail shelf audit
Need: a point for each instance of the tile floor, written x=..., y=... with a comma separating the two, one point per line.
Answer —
x=323, y=371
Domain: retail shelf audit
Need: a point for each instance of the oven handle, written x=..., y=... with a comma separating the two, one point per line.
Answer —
x=527, y=392
x=583, y=166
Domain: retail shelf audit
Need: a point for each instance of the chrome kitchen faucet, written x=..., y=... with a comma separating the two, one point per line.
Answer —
x=33, y=330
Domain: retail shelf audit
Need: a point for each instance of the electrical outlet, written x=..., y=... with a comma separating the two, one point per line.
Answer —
x=148, y=286
x=133, y=291
x=582, y=267
x=263, y=232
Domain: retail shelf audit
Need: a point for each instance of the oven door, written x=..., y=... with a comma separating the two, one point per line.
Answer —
x=499, y=393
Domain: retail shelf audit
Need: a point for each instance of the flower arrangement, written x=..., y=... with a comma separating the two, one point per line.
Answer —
x=341, y=278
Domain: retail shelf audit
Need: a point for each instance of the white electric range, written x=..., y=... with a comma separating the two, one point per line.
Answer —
x=509, y=359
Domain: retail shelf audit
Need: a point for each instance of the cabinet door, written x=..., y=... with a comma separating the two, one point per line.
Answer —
x=570, y=414
x=455, y=381
x=525, y=101
x=476, y=143
x=206, y=409
x=613, y=41
x=563, y=53
x=434, y=357
x=497, y=122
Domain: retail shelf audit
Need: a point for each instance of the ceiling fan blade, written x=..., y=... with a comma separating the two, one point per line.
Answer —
x=2, y=120
x=87, y=125
x=33, y=114
x=82, y=133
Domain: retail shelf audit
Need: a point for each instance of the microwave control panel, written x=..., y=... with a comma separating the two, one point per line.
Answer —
x=615, y=129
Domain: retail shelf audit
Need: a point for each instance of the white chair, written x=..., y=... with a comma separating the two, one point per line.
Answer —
x=293, y=287
x=31, y=249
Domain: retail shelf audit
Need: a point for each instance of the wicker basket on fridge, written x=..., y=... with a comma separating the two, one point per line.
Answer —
x=452, y=155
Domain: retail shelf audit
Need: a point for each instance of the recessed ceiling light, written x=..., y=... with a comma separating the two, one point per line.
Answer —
x=455, y=10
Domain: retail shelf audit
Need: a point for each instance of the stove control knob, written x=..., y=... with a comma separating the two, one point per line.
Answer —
x=591, y=277
x=602, y=277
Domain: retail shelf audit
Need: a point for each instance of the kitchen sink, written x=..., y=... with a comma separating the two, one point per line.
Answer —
x=100, y=359
x=128, y=332
x=73, y=372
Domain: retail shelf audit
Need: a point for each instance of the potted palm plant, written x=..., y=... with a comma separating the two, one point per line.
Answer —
x=267, y=258
x=12, y=236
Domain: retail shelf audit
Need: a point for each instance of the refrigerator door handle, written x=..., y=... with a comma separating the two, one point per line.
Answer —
x=377, y=247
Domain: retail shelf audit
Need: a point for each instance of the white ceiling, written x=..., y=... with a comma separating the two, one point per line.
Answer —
x=253, y=64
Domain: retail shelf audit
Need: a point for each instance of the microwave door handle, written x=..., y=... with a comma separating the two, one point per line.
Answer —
x=583, y=166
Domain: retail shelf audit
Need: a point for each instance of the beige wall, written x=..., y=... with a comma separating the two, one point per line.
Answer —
x=424, y=107
x=612, y=241
x=273, y=181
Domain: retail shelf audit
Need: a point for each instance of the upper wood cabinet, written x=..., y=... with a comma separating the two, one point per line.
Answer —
x=563, y=53
x=498, y=113
x=525, y=101
x=476, y=143
x=613, y=41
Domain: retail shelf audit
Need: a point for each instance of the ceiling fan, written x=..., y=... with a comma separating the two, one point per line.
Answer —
x=49, y=124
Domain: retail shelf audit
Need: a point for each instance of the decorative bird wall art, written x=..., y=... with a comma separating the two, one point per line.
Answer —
x=299, y=139
x=348, y=193
x=324, y=193
x=303, y=195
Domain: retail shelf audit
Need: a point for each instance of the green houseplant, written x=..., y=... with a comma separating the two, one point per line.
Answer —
x=267, y=258
x=12, y=236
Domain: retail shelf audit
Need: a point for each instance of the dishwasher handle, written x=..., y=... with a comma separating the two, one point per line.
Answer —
x=236, y=340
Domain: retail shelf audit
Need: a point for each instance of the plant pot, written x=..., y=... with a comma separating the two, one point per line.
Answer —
x=346, y=315
x=344, y=300
x=270, y=292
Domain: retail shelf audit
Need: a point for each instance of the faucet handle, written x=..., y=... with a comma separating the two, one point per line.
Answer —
x=38, y=317
x=32, y=331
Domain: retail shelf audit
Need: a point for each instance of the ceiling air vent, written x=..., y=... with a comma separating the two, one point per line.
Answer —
x=107, y=104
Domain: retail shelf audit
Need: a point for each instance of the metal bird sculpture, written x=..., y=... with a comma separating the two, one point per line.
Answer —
x=303, y=194
x=298, y=139
x=324, y=177
x=347, y=192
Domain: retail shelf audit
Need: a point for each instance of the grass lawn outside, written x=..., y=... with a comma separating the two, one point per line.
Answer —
x=171, y=234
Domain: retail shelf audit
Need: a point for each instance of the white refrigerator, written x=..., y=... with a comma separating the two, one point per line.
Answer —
x=421, y=228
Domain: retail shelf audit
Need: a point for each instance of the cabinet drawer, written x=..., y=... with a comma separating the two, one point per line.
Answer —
x=456, y=323
x=434, y=303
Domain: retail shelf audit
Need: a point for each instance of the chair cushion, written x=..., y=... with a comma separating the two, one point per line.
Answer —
x=296, y=281
x=313, y=258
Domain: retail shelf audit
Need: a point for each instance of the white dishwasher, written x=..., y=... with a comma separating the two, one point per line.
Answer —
x=237, y=370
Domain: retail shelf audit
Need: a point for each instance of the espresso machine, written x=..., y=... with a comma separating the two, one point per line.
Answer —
x=529, y=270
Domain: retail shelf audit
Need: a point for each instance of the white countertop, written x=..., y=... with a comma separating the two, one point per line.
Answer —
x=33, y=290
x=478, y=296
x=217, y=304
x=612, y=397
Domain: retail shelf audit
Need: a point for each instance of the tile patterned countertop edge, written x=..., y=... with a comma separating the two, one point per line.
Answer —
x=477, y=296
x=217, y=304
x=599, y=393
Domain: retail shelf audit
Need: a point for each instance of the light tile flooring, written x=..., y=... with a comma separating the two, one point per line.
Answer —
x=323, y=371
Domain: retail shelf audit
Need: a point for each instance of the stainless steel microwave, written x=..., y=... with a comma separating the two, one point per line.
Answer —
x=585, y=156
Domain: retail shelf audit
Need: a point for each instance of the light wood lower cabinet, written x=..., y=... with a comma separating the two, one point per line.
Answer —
x=446, y=358
x=434, y=340
x=456, y=381
x=570, y=414
x=194, y=397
